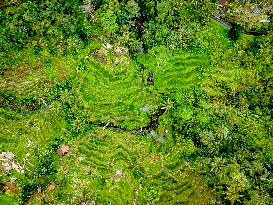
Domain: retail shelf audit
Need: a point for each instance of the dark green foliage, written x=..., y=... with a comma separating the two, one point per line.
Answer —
x=20, y=105
x=28, y=188
x=235, y=32
x=41, y=24
x=55, y=92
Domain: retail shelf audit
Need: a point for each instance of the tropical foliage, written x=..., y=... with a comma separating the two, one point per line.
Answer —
x=133, y=102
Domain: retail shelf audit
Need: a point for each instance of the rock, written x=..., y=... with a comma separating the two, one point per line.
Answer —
x=160, y=139
x=89, y=9
x=152, y=134
x=146, y=108
x=107, y=46
x=17, y=167
x=12, y=187
x=256, y=11
x=125, y=50
x=63, y=150
x=29, y=143
x=119, y=50
x=9, y=155
x=150, y=79
x=13, y=179
x=87, y=202
x=141, y=49
x=8, y=163
x=7, y=166
x=80, y=159
x=264, y=21
x=50, y=187
x=118, y=175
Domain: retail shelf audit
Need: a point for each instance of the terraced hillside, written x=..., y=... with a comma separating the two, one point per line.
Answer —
x=117, y=168
x=107, y=166
x=133, y=102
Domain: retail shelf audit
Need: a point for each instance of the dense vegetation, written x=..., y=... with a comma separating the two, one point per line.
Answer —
x=74, y=73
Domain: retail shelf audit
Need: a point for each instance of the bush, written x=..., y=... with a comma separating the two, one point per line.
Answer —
x=235, y=32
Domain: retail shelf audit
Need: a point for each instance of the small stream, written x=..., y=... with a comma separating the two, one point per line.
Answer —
x=153, y=124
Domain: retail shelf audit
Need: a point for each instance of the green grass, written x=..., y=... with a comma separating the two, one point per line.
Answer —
x=152, y=173
x=195, y=86
x=7, y=200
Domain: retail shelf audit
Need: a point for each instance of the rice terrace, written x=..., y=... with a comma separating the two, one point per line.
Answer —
x=136, y=102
